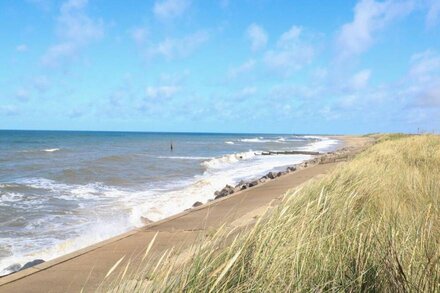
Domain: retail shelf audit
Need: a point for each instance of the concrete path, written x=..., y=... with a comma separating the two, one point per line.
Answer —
x=86, y=268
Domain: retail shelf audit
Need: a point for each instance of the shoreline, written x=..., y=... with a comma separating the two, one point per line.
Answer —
x=228, y=190
x=344, y=148
x=342, y=153
x=136, y=218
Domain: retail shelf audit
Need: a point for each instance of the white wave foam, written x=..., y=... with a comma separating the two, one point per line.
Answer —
x=96, y=191
x=322, y=144
x=229, y=142
x=256, y=140
x=228, y=159
x=51, y=150
x=10, y=197
x=229, y=169
x=25, y=251
x=265, y=140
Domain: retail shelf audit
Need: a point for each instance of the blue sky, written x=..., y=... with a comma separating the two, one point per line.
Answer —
x=270, y=66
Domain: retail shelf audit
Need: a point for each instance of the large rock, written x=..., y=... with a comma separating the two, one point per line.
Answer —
x=31, y=264
x=197, y=203
x=224, y=192
x=291, y=169
x=13, y=268
x=253, y=183
x=146, y=221
x=281, y=174
x=271, y=175
x=240, y=184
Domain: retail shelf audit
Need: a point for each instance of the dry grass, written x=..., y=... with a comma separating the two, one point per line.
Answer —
x=371, y=225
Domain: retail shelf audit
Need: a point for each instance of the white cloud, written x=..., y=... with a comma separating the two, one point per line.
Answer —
x=433, y=15
x=139, y=35
x=167, y=9
x=58, y=53
x=75, y=29
x=429, y=96
x=242, y=69
x=161, y=92
x=22, y=94
x=257, y=36
x=176, y=48
x=8, y=110
x=22, y=48
x=244, y=93
x=41, y=83
x=424, y=65
x=360, y=79
x=291, y=52
x=370, y=17
x=290, y=37
x=423, y=80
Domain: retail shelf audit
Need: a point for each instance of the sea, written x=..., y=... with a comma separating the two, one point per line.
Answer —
x=61, y=191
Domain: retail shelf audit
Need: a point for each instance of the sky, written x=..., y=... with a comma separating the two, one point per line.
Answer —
x=256, y=66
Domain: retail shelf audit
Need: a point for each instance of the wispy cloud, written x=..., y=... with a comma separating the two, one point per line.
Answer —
x=423, y=80
x=22, y=48
x=433, y=16
x=244, y=68
x=139, y=35
x=9, y=110
x=75, y=30
x=257, y=36
x=360, y=79
x=291, y=52
x=161, y=92
x=168, y=9
x=172, y=48
x=370, y=17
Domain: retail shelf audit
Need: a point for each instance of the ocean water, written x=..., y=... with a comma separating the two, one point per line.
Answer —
x=62, y=191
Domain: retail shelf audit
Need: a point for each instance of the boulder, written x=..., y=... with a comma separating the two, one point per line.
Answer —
x=240, y=184
x=197, y=203
x=31, y=264
x=146, y=221
x=253, y=183
x=291, y=169
x=224, y=192
x=271, y=175
x=13, y=268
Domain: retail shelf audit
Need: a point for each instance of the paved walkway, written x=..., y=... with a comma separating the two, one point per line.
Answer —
x=85, y=269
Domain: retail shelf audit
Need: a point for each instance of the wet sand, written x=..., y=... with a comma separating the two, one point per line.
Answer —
x=86, y=268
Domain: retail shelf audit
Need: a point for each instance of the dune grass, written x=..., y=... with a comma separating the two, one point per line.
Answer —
x=373, y=224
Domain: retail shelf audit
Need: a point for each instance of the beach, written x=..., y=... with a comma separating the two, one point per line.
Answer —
x=62, y=191
x=86, y=268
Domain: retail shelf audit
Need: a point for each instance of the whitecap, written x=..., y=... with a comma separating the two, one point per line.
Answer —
x=226, y=160
x=10, y=197
x=51, y=150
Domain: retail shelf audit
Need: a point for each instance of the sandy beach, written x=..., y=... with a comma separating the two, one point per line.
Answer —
x=87, y=267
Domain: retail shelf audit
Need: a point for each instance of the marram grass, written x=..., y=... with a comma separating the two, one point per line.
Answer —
x=372, y=225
